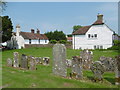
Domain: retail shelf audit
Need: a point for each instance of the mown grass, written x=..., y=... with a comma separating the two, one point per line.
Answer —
x=43, y=77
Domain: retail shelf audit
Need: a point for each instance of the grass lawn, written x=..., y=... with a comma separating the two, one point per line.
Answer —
x=43, y=77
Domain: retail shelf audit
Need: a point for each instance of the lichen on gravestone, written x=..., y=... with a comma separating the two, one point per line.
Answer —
x=9, y=62
x=46, y=60
x=32, y=63
x=87, y=57
x=16, y=59
x=98, y=70
x=117, y=70
x=59, y=60
x=77, y=67
x=24, y=61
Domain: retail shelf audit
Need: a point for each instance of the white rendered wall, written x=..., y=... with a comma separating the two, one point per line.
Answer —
x=20, y=42
x=36, y=41
x=104, y=38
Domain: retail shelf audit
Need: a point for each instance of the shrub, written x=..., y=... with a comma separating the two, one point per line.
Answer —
x=115, y=47
x=63, y=41
x=53, y=41
x=116, y=42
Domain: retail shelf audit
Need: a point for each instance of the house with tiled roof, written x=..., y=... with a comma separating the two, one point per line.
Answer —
x=19, y=39
x=95, y=36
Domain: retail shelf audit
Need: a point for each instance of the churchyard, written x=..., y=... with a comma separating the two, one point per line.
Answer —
x=47, y=68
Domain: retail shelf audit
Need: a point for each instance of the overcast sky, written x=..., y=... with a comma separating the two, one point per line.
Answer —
x=49, y=16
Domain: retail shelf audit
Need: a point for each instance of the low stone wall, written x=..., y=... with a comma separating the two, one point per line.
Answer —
x=44, y=45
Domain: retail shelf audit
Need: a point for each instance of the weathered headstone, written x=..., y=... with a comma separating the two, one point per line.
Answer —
x=102, y=58
x=68, y=62
x=40, y=60
x=37, y=59
x=24, y=61
x=98, y=69
x=117, y=70
x=32, y=63
x=16, y=59
x=86, y=56
x=9, y=62
x=108, y=62
x=46, y=60
x=77, y=67
x=59, y=60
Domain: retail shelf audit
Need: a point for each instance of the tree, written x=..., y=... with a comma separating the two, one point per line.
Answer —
x=56, y=35
x=2, y=5
x=6, y=28
x=76, y=27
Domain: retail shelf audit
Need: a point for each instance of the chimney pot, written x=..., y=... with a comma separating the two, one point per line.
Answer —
x=100, y=17
x=17, y=26
x=38, y=31
x=32, y=30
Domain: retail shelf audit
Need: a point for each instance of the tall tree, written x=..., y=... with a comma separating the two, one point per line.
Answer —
x=76, y=27
x=56, y=35
x=2, y=6
x=6, y=28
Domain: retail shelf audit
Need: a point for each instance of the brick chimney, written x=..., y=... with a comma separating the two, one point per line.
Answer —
x=38, y=31
x=32, y=30
x=100, y=17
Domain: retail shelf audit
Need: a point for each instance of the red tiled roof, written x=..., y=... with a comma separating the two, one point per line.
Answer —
x=82, y=30
x=29, y=35
x=98, y=22
x=69, y=38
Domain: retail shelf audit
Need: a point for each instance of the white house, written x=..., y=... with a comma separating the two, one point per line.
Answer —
x=96, y=36
x=19, y=39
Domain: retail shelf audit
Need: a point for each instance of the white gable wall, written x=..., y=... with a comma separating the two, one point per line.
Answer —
x=104, y=38
x=20, y=42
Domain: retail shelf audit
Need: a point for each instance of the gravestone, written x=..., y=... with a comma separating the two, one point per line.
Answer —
x=86, y=56
x=98, y=69
x=59, y=60
x=117, y=70
x=68, y=62
x=108, y=62
x=77, y=67
x=32, y=63
x=24, y=61
x=46, y=60
x=38, y=60
x=16, y=59
x=9, y=62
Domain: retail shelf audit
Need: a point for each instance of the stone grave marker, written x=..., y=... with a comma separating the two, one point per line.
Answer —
x=108, y=62
x=9, y=62
x=59, y=60
x=24, y=61
x=102, y=58
x=77, y=67
x=40, y=60
x=86, y=56
x=46, y=60
x=68, y=62
x=98, y=69
x=32, y=63
x=37, y=59
x=117, y=70
x=16, y=59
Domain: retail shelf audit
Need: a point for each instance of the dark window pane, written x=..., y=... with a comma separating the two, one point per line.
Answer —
x=88, y=35
x=95, y=35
